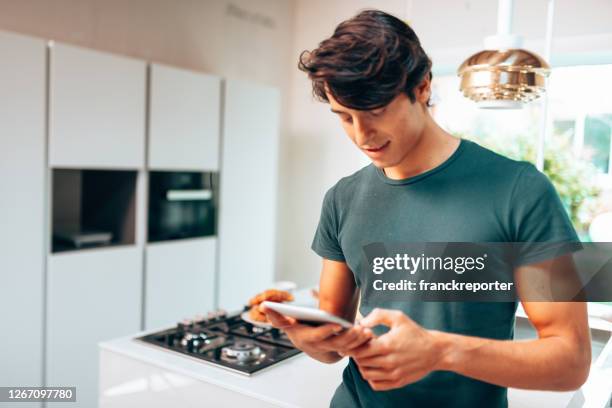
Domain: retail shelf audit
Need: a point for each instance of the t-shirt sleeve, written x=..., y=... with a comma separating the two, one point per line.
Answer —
x=326, y=243
x=540, y=224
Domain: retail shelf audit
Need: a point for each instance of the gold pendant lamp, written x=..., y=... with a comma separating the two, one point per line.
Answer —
x=504, y=75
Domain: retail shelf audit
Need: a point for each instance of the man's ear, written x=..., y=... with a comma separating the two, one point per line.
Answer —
x=422, y=92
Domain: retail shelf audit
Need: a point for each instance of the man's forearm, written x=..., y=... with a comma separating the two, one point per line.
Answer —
x=551, y=363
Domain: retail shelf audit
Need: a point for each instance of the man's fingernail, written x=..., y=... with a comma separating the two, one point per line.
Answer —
x=337, y=329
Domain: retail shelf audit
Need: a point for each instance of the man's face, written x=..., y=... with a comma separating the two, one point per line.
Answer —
x=389, y=133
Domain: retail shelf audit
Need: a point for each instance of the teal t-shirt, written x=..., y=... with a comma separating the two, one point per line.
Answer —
x=476, y=195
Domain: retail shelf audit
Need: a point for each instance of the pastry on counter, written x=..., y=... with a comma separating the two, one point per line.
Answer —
x=271, y=295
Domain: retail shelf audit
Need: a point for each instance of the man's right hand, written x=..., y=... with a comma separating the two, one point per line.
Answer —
x=327, y=343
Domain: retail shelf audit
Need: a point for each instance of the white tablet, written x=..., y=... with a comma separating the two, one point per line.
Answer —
x=307, y=314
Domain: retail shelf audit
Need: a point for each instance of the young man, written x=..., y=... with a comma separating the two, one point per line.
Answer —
x=425, y=185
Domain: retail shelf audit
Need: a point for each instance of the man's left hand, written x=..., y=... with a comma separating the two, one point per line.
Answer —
x=403, y=355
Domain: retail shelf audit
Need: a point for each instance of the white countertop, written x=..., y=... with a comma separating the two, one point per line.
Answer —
x=314, y=382
x=304, y=382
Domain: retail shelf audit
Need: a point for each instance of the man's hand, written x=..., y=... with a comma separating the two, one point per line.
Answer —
x=403, y=355
x=326, y=342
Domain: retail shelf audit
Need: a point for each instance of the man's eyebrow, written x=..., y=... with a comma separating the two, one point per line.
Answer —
x=337, y=111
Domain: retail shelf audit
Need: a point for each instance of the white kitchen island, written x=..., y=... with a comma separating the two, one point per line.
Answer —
x=134, y=374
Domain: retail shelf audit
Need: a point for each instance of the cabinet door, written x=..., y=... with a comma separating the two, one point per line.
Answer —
x=184, y=119
x=93, y=295
x=247, y=224
x=180, y=280
x=97, y=109
x=22, y=187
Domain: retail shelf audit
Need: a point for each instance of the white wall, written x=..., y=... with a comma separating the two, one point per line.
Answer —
x=317, y=153
x=231, y=38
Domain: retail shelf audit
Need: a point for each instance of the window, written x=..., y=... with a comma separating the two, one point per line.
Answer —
x=578, y=151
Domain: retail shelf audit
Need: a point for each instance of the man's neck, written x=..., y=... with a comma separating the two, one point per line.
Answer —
x=433, y=148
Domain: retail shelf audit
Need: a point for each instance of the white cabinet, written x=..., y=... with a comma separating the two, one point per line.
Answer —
x=22, y=203
x=247, y=223
x=180, y=280
x=96, y=108
x=184, y=119
x=93, y=295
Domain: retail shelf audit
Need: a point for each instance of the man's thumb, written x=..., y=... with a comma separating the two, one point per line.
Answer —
x=378, y=316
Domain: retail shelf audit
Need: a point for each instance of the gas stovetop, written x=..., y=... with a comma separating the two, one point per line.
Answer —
x=226, y=341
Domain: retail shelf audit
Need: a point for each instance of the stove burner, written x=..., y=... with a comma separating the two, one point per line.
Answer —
x=242, y=352
x=225, y=340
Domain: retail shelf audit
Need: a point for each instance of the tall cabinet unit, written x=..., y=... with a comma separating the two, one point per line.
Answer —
x=183, y=159
x=249, y=173
x=96, y=157
x=22, y=203
x=97, y=109
x=184, y=119
x=105, y=231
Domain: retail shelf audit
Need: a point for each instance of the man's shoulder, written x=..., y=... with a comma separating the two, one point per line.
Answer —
x=349, y=184
x=490, y=166
x=487, y=158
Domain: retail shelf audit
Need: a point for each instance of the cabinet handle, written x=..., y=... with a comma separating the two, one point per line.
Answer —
x=188, y=195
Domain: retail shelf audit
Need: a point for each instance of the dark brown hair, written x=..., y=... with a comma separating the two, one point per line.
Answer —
x=367, y=62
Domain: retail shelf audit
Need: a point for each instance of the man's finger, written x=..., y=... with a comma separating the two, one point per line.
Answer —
x=316, y=334
x=348, y=339
x=385, y=317
x=379, y=361
x=364, y=336
x=372, y=348
x=276, y=319
x=375, y=374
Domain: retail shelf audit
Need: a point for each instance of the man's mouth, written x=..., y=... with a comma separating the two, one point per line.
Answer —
x=377, y=149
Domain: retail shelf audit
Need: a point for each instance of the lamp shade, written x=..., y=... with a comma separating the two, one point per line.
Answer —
x=505, y=78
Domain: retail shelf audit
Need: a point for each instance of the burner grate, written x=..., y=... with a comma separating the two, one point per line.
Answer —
x=225, y=341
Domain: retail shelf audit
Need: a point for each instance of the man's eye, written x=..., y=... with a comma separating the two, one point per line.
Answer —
x=347, y=119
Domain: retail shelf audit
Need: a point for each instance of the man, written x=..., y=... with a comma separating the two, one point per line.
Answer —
x=425, y=185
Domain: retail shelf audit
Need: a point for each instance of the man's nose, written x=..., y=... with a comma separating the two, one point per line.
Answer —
x=363, y=132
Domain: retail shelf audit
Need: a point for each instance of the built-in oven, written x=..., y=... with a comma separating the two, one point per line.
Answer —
x=182, y=205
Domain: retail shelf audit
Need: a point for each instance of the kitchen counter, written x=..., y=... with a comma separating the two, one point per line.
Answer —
x=133, y=373
x=136, y=374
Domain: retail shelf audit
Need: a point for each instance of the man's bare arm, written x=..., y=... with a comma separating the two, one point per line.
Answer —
x=338, y=295
x=338, y=292
x=558, y=360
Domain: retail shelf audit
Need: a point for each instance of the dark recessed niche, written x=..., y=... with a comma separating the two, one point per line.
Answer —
x=93, y=208
x=182, y=205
